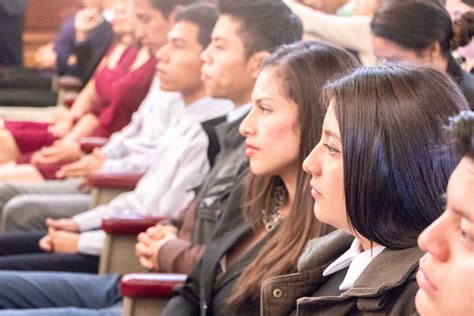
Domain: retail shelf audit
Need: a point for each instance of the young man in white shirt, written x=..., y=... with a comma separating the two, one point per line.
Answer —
x=25, y=206
x=179, y=163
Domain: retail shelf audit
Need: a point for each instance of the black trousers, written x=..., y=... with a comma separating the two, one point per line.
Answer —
x=22, y=252
x=11, y=41
x=25, y=78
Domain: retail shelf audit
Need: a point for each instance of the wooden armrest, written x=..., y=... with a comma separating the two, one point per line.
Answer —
x=151, y=285
x=69, y=98
x=129, y=224
x=126, y=181
x=88, y=144
x=70, y=83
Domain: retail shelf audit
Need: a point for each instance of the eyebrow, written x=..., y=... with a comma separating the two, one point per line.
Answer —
x=331, y=133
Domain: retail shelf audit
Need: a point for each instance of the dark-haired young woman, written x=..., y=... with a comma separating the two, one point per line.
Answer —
x=422, y=31
x=264, y=235
x=378, y=175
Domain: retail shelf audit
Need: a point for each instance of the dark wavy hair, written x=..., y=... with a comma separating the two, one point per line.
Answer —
x=418, y=24
x=396, y=153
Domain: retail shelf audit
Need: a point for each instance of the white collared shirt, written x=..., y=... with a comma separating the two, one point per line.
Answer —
x=236, y=113
x=129, y=150
x=356, y=260
x=179, y=163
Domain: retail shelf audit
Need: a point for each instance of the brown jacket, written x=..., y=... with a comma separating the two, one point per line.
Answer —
x=386, y=287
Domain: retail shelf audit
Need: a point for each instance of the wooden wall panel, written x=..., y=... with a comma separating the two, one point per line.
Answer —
x=42, y=21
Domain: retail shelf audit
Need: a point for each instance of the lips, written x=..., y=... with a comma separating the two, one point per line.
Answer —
x=314, y=192
x=205, y=76
x=250, y=150
x=425, y=283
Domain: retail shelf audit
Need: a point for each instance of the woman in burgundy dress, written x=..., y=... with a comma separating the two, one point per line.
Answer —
x=103, y=107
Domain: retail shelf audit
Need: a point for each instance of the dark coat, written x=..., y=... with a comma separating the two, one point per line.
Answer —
x=386, y=287
x=203, y=292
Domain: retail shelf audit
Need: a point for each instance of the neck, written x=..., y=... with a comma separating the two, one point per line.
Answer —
x=242, y=99
x=365, y=243
x=126, y=39
x=193, y=95
x=289, y=179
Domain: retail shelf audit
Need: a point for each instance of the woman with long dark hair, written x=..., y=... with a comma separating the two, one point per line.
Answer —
x=268, y=220
x=378, y=175
x=422, y=31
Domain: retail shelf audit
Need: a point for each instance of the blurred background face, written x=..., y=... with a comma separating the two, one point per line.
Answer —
x=271, y=129
x=325, y=165
x=179, y=66
x=226, y=72
x=386, y=49
x=151, y=26
x=123, y=19
x=446, y=275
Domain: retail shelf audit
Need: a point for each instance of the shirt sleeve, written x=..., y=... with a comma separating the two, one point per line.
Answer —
x=92, y=242
x=347, y=32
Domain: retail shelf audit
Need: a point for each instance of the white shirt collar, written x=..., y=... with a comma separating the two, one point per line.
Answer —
x=207, y=108
x=356, y=260
x=236, y=113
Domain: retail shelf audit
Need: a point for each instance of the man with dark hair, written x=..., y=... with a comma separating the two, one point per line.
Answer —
x=179, y=161
x=246, y=32
x=447, y=268
x=25, y=206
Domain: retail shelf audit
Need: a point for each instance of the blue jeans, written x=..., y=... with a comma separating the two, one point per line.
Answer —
x=46, y=290
x=69, y=311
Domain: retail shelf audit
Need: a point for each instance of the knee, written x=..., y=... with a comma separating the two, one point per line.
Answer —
x=9, y=147
x=18, y=215
x=6, y=193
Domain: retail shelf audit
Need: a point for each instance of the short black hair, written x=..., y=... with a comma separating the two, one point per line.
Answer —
x=204, y=16
x=396, y=153
x=167, y=6
x=462, y=133
x=264, y=24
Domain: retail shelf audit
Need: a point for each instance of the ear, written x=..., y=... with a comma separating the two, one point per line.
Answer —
x=433, y=52
x=255, y=62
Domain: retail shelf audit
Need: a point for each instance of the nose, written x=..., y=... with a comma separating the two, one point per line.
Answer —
x=162, y=54
x=139, y=32
x=311, y=164
x=247, y=127
x=434, y=238
x=205, y=57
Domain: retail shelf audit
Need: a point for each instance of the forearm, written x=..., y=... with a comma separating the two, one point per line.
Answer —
x=86, y=100
x=179, y=256
x=84, y=127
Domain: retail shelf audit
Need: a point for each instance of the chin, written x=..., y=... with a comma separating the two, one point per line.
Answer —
x=423, y=304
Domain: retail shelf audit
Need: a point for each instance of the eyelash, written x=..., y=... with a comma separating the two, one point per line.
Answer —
x=263, y=109
x=331, y=150
x=465, y=236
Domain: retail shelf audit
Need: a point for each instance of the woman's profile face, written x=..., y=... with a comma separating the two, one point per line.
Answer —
x=325, y=165
x=271, y=129
x=123, y=22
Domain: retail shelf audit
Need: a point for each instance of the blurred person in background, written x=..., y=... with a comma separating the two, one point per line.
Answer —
x=11, y=32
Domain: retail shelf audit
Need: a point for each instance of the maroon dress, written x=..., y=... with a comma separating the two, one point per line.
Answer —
x=121, y=92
